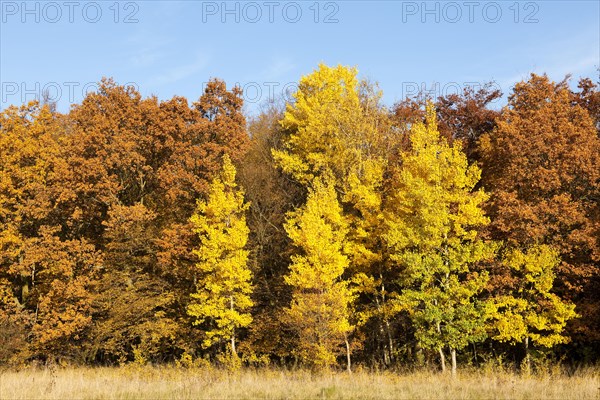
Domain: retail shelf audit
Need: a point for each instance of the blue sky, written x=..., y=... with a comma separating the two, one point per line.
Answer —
x=173, y=48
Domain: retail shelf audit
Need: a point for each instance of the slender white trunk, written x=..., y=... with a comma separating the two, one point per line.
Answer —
x=233, y=351
x=348, y=359
x=453, y=354
x=386, y=359
x=390, y=340
x=388, y=330
x=442, y=359
x=527, y=358
x=442, y=356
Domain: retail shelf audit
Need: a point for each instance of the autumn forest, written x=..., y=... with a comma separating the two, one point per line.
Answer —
x=331, y=231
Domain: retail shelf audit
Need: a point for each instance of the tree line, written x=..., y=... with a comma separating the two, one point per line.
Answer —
x=328, y=231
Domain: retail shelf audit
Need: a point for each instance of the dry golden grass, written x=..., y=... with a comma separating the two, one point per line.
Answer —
x=174, y=383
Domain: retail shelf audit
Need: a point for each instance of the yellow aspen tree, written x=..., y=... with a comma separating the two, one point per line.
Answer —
x=336, y=125
x=222, y=300
x=322, y=123
x=333, y=127
x=432, y=222
x=320, y=306
x=531, y=312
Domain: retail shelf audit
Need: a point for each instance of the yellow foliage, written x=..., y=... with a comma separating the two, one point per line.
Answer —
x=319, y=311
x=432, y=220
x=323, y=122
x=223, y=291
x=532, y=311
x=335, y=129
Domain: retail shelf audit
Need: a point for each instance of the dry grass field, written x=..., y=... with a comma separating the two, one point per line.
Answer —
x=174, y=383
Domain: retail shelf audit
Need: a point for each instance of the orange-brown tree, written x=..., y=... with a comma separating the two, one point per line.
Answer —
x=135, y=167
x=540, y=166
x=46, y=278
x=464, y=116
x=588, y=97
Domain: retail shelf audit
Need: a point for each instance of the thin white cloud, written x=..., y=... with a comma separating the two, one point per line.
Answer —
x=576, y=55
x=147, y=48
x=556, y=71
x=146, y=57
x=179, y=73
x=278, y=68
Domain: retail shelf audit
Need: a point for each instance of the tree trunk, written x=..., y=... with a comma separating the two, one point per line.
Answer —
x=475, y=361
x=527, y=358
x=233, y=350
x=348, y=359
x=389, y=354
x=453, y=354
x=390, y=340
x=419, y=358
x=24, y=292
x=442, y=359
x=386, y=359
